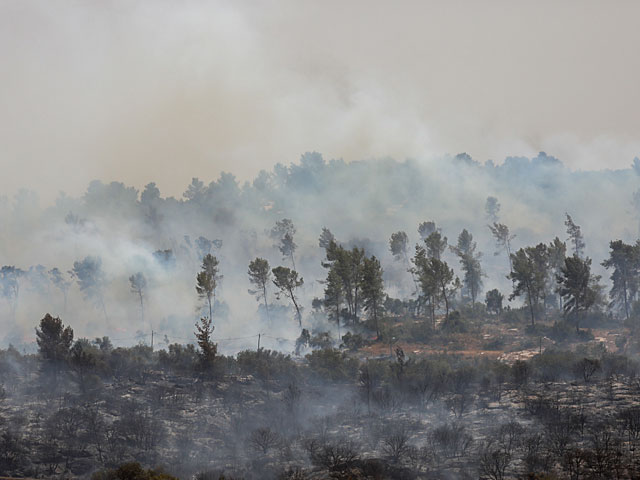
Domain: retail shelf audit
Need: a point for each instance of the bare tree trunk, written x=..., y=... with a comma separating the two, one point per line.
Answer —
x=446, y=300
x=295, y=304
x=266, y=304
x=141, y=306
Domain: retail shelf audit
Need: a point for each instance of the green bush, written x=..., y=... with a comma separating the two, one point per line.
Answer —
x=553, y=365
x=514, y=316
x=266, y=364
x=454, y=323
x=496, y=343
x=420, y=332
x=352, y=341
x=179, y=358
x=331, y=364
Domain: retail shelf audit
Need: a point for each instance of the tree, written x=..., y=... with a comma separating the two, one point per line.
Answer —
x=368, y=380
x=426, y=228
x=208, y=349
x=355, y=266
x=470, y=262
x=38, y=280
x=91, y=280
x=437, y=280
x=503, y=239
x=398, y=245
x=166, y=258
x=10, y=285
x=204, y=245
x=83, y=360
x=207, y=281
x=283, y=233
x=60, y=282
x=428, y=285
x=493, y=462
x=446, y=280
x=264, y=439
x=396, y=444
x=138, y=284
x=75, y=222
x=586, y=368
x=635, y=201
x=326, y=237
x=492, y=209
x=195, y=192
x=624, y=259
x=575, y=236
x=54, y=342
x=557, y=250
x=150, y=200
x=436, y=245
x=259, y=276
x=333, y=295
x=493, y=301
x=529, y=274
x=373, y=289
x=150, y=194
x=578, y=287
x=348, y=266
x=286, y=280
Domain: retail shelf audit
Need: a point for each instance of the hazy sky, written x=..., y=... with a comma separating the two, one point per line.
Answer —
x=167, y=90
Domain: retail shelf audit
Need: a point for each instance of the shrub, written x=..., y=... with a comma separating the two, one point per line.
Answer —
x=266, y=364
x=353, y=342
x=454, y=323
x=321, y=340
x=418, y=332
x=496, y=343
x=618, y=365
x=552, y=365
x=331, y=364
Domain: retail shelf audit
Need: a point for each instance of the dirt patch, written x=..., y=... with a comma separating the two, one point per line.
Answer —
x=419, y=349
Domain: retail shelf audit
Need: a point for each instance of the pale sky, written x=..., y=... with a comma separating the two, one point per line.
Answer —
x=167, y=90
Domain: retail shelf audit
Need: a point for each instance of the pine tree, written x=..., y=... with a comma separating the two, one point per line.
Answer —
x=283, y=233
x=624, y=259
x=54, y=343
x=207, y=281
x=503, y=240
x=575, y=236
x=373, y=290
x=470, y=263
x=333, y=295
x=208, y=349
x=530, y=273
x=259, y=275
x=578, y=287
x=287, y=281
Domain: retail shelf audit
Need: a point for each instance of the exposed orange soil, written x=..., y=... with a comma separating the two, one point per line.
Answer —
x=422, y=349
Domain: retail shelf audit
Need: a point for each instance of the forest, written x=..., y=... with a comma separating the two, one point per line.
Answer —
x=363, y=320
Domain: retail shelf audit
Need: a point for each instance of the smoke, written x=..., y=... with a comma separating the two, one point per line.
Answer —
x=126, y=92
x=362, y=203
